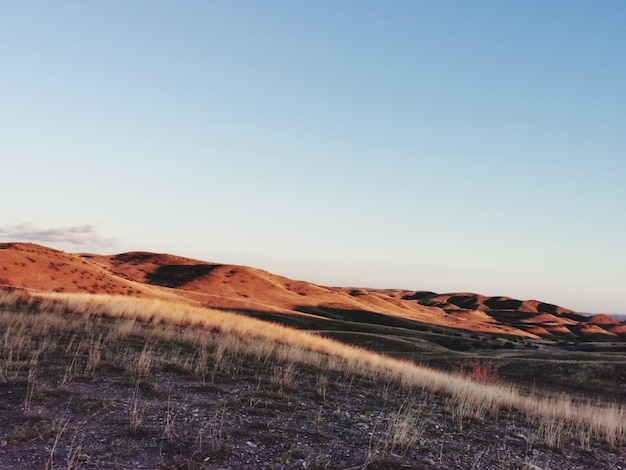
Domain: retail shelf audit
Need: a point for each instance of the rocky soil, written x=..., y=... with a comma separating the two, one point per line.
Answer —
x=247, y=414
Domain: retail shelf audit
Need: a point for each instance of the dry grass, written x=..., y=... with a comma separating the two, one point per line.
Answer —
x=152, y=321
x=404, y=428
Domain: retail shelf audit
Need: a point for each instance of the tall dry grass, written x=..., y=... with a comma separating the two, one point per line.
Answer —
x=173, y=322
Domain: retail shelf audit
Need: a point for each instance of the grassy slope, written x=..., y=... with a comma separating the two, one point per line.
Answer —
x=50, y=354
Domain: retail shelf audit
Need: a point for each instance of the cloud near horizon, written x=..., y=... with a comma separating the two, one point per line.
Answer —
x=77, y=235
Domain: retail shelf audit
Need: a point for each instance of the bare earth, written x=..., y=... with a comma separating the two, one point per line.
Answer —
x=247, y=414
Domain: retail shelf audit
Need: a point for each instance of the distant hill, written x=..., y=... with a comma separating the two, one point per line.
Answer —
x=621, y=317
x=301, y=304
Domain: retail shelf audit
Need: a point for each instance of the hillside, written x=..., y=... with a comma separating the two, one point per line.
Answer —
x=387, y=312
x=99, y=381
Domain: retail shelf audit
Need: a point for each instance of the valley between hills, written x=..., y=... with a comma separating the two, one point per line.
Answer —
x=272, y=405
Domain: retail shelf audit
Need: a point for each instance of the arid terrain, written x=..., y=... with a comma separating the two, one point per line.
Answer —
x=143, y=360
x=529, y=342
x=302, y=304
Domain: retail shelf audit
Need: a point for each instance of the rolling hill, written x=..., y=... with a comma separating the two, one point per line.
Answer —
x=387, y=319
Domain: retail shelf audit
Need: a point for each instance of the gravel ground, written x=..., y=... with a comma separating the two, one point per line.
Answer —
x=251, y=415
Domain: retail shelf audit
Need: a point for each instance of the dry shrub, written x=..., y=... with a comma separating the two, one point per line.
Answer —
x=404, y=428
x=479, y=372
x=321, y=385
x=283, y=377
x=139, y=369
x=93, y=359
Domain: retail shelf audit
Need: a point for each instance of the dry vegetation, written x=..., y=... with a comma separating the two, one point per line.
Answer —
x=71, y=361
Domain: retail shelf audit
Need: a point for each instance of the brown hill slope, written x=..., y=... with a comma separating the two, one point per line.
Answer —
x=38, y=267
x=375, y=312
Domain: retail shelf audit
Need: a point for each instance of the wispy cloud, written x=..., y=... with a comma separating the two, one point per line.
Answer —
x=79, y=235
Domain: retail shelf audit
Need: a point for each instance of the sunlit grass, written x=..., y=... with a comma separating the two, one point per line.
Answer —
x=24, y=313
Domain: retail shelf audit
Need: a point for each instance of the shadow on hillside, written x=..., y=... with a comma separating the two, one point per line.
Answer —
x=359, y=316
x=392, y=341
x=177, y=275
x=377, y=332
x=325, y=318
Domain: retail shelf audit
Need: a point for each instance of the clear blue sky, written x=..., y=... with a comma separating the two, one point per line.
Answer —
x=442, y=145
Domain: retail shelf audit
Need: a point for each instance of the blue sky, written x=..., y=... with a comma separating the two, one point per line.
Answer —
x=439, y=145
